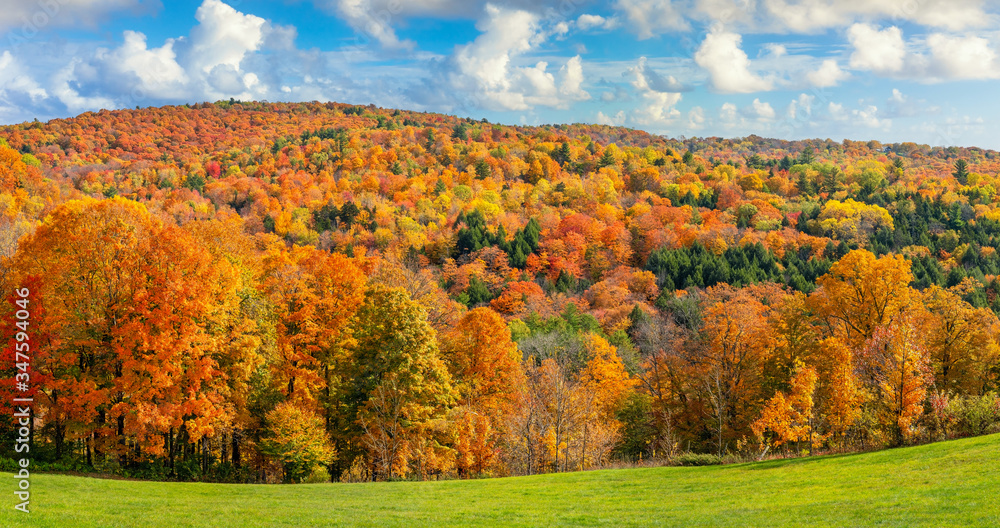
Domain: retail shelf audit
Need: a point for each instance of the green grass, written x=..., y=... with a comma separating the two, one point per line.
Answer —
x=945, y=484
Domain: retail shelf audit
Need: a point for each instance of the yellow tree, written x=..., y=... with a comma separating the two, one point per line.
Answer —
x=397, y=380
x=486, y=366
x=896, y=369
x=962, y=340
x=241, y=322
x=297, y=438
x=839, y=391
x=862, y=293
x=604, y=385
x=737, y=340
x=790, y=416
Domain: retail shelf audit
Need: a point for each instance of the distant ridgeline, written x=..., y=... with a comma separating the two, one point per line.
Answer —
x=252, y=291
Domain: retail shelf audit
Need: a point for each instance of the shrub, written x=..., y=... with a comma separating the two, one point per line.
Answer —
x=697, y=459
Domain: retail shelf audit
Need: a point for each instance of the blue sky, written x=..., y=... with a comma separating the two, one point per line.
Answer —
x=893, y=70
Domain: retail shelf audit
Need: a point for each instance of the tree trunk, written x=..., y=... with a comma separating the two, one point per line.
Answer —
x=236, y=450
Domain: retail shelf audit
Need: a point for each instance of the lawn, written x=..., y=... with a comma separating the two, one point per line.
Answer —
x=953, y=483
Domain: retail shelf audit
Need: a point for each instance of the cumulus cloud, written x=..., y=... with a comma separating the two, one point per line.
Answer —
x=696, y=118
x=828, y=74
x=760, y=110
x=649, y=18
x=966, y=57
x=727, y=65
x=881, y=51
x=572, y=80
x=487, y=72
x=728, y=112
x=801, y=107
x=868, y=116
x=228, y=53
x=618, y=119
x=586, y=22
x=836, y=111
x=155, y=71
x=646, y=78
x=18, y=89
x=209, y=63
x=936, y=58
x=661, y=95
x=776, y=50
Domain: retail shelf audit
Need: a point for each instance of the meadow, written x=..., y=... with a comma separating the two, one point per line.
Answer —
x=951, y=483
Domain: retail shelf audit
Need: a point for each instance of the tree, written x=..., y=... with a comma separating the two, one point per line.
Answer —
x=485, y=363
x=896, y=369
x=737, y=341
x=840, y=390
x=790, y=416
x=604, y=386
x=397, y=378
x=297, y=438
x=130, y=305
x=961, y=171
x=961, y=339
x=862, y=293
x=315, y=294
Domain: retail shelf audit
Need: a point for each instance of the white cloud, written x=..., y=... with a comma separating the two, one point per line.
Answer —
x=868, y=116
x=649, y=18
x=836, y=111
x=938, y=57
x=760, y=110
x=485, y=73
x=572, y=80
x=484, y=64
x=616, y=120
x=74, y=102
x=727, y=65
x=901, y=105
x=585, y=22
x=696, y=118
x=371, y=22
x=156, y=70
x=659, y=109
x=828, y=74
x=968, y=57
x=729, y=112
x=776, y=50
x=223, y=36
x=807, y=16
x=19, y=91
x=646, y=78
x=801, y=108
x=661, y=95
x=881, y=51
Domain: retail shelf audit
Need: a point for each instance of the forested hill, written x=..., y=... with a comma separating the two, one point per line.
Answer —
x=558, y=295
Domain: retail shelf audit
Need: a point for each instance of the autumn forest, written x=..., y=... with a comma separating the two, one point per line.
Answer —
x=266, y=292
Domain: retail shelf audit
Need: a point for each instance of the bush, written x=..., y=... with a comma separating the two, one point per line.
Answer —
x=697, y=459
x=973, y=415
x=319, y=475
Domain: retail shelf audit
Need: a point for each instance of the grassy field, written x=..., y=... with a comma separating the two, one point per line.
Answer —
x=946, y=484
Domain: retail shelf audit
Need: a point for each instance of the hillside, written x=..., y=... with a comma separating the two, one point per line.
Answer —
x=945, y=484
x=260, y=292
